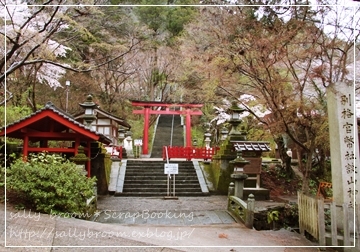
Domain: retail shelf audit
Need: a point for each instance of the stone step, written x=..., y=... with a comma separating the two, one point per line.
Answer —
x=157, y=184
x=158, y=172
x=159, y=168
x=147, y=178
x=151, y=181
x=151, y=189
x=156, y=166
x=163, y=184
x=157, y=162
x=159, y=194
x=152, y=176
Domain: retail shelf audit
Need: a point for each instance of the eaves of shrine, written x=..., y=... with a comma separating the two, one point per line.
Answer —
x=51, y=123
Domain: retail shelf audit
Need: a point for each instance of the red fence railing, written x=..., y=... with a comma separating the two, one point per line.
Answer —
x=189, y=152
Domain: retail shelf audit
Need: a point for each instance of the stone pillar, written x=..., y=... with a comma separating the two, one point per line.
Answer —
x=231, y=190
x=239, y=184
x=239, y=163
x=343, y=143
x=249, y=221
x=344, y=148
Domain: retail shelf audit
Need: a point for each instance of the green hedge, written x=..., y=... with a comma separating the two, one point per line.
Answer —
x=51, y=183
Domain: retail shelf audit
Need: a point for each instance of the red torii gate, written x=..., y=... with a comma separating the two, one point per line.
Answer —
x=147, y=111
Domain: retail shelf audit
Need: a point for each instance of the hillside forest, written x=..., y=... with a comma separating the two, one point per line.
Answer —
x=276, y=58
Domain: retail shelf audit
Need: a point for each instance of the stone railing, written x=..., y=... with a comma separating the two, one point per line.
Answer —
x=241, y=210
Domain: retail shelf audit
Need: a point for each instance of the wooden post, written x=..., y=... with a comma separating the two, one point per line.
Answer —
x=25, y=146
x=77, y=144
x=145, y=148
x=334, y=240
x=188, y=128
x=321, y=222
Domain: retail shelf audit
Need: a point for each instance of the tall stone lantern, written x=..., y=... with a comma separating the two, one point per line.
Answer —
x=121, y=137
x=207, y=139
x=89, y=107
x=235, y=119
x=128, y=144
x=224, y=134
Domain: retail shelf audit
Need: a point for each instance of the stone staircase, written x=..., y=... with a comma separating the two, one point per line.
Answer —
x=147, y=178
x=163, y=134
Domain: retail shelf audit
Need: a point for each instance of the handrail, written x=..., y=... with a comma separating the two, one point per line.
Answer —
x=241, y=210
x=167, y=154
x=172, y=130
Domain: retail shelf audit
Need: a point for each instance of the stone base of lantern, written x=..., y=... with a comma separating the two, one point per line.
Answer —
x=259, y=193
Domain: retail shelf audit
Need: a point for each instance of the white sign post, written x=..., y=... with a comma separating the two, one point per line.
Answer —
x=171, y=169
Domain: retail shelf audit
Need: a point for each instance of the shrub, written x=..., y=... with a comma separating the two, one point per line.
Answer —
x=2, y=183
x=51, y=184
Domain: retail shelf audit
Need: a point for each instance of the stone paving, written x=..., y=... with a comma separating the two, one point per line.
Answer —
x=184, y=211
x=214, y=202
x=54, y=233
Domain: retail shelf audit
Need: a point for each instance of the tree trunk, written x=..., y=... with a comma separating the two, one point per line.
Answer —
x=308, y=166
x=286, y=160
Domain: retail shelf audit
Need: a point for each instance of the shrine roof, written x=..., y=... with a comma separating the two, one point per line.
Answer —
x=251, y=145
x=56, y=114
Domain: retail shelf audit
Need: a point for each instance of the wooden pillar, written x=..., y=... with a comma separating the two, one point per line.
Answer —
x=188, y=128
x=25, y=147
x=145, y=148
x=76, y=147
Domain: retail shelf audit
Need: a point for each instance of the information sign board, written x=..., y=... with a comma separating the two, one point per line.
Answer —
x=171, y=168
x=138, y=142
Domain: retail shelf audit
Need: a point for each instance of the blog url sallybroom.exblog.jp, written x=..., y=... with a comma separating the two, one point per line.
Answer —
x=51, y=233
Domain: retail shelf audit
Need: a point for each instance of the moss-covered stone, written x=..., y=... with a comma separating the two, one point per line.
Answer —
x=107, y=166
x=222, y=170
x=79, y=158
x=221, y=167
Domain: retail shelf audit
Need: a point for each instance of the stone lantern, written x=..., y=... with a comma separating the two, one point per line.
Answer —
x=207, y=139
x=235, y=118
x=224, y=134
x=122, y=135
x=128, y=145
x=89, y=107
x=239, y=162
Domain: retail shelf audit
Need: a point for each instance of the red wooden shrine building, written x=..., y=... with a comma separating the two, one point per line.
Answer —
x=156, y=108
x=52, y=124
